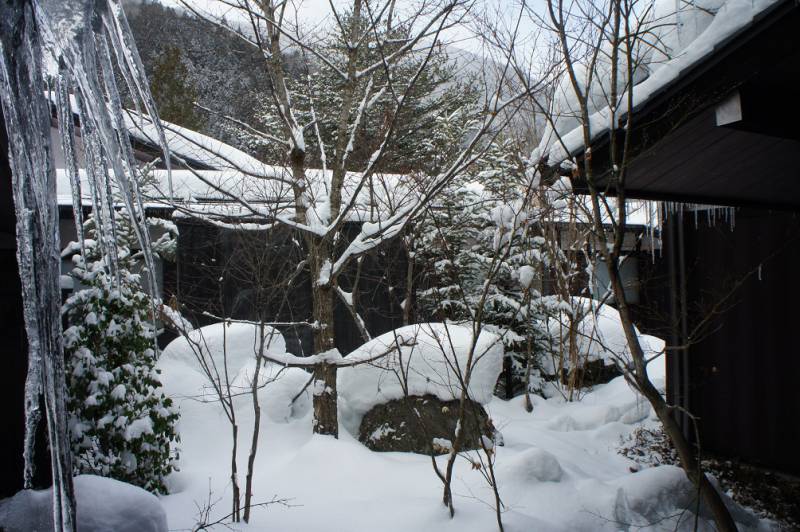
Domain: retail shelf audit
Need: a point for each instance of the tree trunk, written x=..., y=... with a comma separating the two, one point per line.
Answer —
x=689, y=463
x=235, y=511
x=324, y=386
x=325, y=414
x=409, y=295
x=251, y=459
x=528, y=367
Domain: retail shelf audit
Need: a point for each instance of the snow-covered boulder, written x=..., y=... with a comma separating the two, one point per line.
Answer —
x=427, y=358
x=532, y=465
x=386, y=398
x=235, y=342
x=103, y=505
x=649, y=495
x=424, y=425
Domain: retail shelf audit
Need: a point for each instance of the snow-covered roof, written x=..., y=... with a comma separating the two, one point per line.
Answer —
x=565, y=207
x=689, y=36
x=191, y=146
x=238, y=183
x=230, y=193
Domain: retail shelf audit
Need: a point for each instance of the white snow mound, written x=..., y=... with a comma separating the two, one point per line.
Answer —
x=533, y=465
x=103, y=504
x=236, y=342
x=277, y=386
x=428, y=357
x=183, y=376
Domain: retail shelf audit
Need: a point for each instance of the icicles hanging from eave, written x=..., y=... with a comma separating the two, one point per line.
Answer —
x=88, y=61
x=75, y=39
x=27, y=119
x=713, y=213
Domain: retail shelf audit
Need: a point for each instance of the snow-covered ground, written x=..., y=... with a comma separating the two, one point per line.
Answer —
x=559, y=470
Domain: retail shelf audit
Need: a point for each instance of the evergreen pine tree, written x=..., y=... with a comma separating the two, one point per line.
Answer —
x=482, y=220
x=173, y=92
x=434, y=119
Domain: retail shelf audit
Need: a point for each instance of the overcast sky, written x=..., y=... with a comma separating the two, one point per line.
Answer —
x=317, y=13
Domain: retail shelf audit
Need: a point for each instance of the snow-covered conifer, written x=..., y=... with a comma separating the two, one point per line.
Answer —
x=482, y=224
x=122, y=425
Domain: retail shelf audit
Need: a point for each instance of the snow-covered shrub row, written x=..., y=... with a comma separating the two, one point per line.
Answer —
x=428, y=358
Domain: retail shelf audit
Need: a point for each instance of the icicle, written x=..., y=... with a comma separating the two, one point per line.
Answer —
x=27, y=115
x=66, y=129
x=126, y=178
x=125, y=48
x=97, y=175
x=79, y=36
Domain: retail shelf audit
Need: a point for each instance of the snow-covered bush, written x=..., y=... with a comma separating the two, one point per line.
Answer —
x=122, y=425
x=104, y=505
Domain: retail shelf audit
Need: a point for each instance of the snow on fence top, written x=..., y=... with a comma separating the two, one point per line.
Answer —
x=687, y=37
x=239, y=185
x=429, y=358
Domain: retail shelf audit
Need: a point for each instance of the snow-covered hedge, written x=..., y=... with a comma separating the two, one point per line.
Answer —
x=599, y=332
x=103, y=505
x=428, y=358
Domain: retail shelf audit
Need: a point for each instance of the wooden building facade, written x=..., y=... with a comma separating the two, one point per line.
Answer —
x=726, y=132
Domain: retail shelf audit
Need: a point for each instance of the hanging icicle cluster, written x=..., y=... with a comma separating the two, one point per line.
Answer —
x=69, y=48
x=712, y=213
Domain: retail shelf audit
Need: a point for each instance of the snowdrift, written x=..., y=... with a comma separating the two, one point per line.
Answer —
x=599, y=333
x=183, y=376
x=236, y=342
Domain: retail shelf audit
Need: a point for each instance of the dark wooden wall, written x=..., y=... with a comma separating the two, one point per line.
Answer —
x=742, y=378
x=243, y=275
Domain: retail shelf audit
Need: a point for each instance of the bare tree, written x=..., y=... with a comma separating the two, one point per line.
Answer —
x=320, y=201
